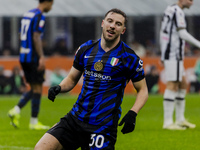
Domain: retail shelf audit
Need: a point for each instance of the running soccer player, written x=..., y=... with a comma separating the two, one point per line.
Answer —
x=173, y=35
x=107, y=65
x=32, y=62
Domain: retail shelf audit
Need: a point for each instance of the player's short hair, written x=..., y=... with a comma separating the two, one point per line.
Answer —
x=41, y=1
x=118, y=11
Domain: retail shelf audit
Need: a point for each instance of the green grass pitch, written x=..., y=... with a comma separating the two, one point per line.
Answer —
x=148, y=134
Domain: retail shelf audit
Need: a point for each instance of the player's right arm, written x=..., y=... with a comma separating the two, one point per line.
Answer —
x=69, y=82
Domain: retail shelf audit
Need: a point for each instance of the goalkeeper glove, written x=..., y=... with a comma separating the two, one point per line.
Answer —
x=129, y=121
x=53, y=91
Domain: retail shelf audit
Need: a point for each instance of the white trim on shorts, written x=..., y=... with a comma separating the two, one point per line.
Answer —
x=174, y=70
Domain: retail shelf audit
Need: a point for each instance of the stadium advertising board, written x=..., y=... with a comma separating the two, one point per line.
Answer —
x=65, y=63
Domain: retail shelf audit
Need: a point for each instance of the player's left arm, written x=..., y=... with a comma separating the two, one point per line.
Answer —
x=142, y=95
x=129, y=120
x=188, y=37
x=182, y=32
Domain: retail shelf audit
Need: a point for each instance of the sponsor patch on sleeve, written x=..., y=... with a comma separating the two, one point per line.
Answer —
x=41, y=24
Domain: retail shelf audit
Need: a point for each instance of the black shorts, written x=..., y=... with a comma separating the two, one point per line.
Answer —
x=31, y=73
x=73, y=133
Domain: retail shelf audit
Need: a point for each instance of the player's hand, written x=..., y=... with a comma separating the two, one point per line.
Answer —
x=41, y=65
x=129, y=121
x=161, y=63
x=53, y=91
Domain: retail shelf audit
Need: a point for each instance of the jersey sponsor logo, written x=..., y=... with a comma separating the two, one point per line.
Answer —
x=98, y=66
x=24, y=50
x=141, y=66
x=114, y=61
x=165, y=38
x=139, y=69
x=98, y=76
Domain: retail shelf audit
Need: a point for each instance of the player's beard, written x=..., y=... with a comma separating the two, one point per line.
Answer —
x=46, y=10
x=110, y=40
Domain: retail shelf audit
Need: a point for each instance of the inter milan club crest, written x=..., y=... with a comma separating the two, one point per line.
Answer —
x=98, y=65
x=114, y=61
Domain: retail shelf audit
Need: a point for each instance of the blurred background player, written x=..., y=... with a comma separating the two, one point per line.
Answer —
x=152, y=78
x=3, y=80
x=32, y=62
x=173, y=35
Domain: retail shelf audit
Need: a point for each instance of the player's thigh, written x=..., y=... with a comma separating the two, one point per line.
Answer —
x=172, y=85
x=36, y=87
x=48, y=142
x=66, y=133
x=174, y=70
x=183, y=83
x=31, y=73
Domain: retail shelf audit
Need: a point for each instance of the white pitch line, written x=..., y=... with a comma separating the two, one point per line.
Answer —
x=15, y=147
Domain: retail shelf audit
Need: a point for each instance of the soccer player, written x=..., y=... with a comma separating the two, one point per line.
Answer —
x=32, y=62
x=107, y=65
x=173, y=35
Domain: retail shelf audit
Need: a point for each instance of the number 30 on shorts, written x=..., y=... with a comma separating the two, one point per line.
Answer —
x=97, y=140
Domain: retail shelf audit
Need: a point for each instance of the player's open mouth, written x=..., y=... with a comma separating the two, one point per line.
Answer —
x=110, y=32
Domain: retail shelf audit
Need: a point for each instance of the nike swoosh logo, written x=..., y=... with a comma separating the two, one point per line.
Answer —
x=87, y=56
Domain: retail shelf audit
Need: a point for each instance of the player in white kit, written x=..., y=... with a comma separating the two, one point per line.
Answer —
x=173, y=35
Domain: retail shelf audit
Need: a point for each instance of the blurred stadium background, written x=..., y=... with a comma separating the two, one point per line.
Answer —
x=68, y=18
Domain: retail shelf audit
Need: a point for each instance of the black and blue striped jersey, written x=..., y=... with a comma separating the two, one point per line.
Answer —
x=105, y=77
x=32, y=21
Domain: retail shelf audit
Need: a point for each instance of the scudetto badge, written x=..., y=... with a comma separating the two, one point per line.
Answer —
x=98, y=65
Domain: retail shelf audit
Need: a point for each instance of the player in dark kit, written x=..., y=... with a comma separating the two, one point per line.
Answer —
x=107, y=65
x=32, y=62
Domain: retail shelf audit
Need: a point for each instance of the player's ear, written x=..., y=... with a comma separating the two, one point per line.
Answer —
x=123, y=31
x=102, y=23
